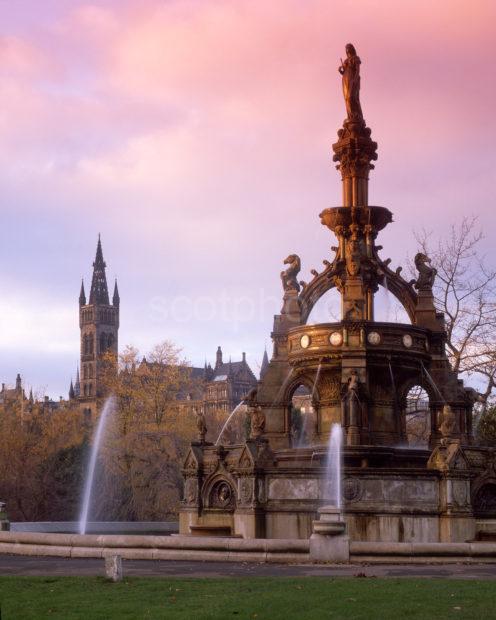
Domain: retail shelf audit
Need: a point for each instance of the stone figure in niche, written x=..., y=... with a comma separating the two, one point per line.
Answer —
x=257, y=422
x=354, y=310
x=352, y=399
x=222, y=496
x=350, y=70
x=427, y=273
x=201, y=425
x=448, y=422
x=353, y=258
x=289, y=275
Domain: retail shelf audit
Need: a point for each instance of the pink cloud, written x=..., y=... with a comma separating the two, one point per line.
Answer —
x=202, y=130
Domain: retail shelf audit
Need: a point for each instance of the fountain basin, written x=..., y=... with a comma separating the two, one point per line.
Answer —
x=378, y=217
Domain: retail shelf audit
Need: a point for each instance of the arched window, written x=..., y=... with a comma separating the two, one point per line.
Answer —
x=417, y=417
x=90, y=389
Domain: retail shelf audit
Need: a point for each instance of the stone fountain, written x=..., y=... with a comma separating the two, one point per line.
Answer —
x=359, y=372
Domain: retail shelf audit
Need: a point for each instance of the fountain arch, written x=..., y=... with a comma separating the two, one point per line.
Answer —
x=417, y=417
x=302, y=412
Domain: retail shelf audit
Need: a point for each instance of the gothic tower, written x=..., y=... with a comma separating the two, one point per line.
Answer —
x=99, y=325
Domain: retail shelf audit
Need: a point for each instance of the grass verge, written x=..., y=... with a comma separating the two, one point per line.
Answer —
x=94, y=598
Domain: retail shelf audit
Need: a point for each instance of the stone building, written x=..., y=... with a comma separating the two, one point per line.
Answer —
x=218, y=389
x=226, y=383
x=12, y=394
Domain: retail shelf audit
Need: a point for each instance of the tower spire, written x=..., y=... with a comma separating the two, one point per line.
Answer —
x=99, y=290
x=116, y=300
x=265, y=363
x=82, y=294
x=77, y=385
x=218, y=358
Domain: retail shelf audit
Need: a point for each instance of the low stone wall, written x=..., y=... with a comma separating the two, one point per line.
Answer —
x=377, y=552
x=233, y=549
x=155, y=547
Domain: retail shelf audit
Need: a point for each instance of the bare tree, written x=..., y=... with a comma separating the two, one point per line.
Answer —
x=464, y=290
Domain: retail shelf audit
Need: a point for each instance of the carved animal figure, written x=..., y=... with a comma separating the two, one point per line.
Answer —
x=289, y=275
x=427, y=273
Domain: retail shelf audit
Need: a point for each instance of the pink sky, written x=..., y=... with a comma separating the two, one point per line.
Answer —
x=195, y=136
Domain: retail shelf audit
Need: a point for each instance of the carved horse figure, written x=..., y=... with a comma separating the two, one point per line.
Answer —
x=427, y=273
x=289, y=275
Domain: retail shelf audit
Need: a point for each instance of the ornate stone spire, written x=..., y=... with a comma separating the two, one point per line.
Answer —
x=355, y=150
x=357, y=270
x=99, y=290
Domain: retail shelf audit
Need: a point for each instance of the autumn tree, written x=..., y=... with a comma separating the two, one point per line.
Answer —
x=42, y=459
x=464, y=291
x=152, y=426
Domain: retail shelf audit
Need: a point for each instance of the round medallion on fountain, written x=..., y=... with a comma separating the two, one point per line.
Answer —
x=305, y=341
x=407, y=341
x=374, y=338
x=336, y=339
x=352, y=489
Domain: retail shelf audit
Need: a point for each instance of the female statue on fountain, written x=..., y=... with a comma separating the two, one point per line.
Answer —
x=350, y=70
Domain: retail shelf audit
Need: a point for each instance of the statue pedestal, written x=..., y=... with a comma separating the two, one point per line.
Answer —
x=425, y=311
x=329, y=543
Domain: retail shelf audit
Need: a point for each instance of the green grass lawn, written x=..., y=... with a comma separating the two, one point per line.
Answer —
x=88, y=598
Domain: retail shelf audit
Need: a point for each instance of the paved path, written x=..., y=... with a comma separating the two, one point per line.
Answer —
x=44, y=566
